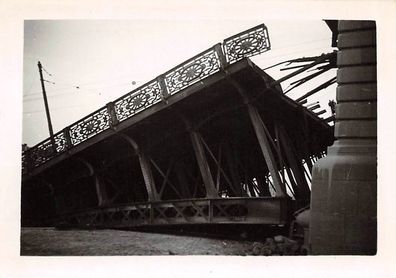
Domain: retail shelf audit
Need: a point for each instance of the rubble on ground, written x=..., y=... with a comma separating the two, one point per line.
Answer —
x=277, y=245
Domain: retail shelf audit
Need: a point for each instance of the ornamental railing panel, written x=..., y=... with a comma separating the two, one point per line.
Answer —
x=246, y=44
x=60, y=142
x=41, y=153
x=45, y=150
x=90, y=126
x=25, y=163
x=138, y=100
x=191, y=71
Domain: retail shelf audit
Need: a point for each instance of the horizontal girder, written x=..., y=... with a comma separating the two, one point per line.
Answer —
x=269, y=211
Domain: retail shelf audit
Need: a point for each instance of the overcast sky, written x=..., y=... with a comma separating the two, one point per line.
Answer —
x=93, y=62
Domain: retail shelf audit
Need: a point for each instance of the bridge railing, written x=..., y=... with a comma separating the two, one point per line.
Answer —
x=138, y=100
x=192, y=70
x=245, y=44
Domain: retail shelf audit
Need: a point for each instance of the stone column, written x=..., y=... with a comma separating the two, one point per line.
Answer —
x=344, y=186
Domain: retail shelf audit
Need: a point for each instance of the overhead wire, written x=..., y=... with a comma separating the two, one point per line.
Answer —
x=36, y=95
x=54, y=109
x=126, y=75
x=46, y=71
x=303, y=43
x=78, y=87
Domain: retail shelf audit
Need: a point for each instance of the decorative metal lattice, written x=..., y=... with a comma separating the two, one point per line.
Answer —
x=60, y=142
x=138, y=100
x=45, y=150
x=41, y=153
x=25, y=164
x=192, y=71
x=90, y=126
x=249, y=43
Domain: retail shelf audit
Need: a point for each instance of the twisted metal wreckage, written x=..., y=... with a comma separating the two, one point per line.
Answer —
x=213, y=140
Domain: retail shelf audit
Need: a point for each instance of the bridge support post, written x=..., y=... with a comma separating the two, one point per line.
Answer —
x=101, y=192
x=259, y=129
x=145, y=167
x=100, y=187
x=266, y=149
x=302, y=192
x=203, y=165
x=343, y=217
x=148, y=177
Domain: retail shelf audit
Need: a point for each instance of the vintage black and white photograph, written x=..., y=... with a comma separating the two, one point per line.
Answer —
x=184, y=133
x=171, y=138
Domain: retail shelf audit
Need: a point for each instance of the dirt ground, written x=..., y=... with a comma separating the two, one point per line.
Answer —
x=52, y=242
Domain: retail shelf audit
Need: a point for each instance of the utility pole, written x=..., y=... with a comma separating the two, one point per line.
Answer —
x=51, y=132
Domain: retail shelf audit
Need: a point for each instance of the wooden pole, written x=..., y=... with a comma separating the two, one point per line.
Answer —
x=51, y=132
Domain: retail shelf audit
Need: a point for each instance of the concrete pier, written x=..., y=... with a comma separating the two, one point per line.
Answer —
x=344, y=186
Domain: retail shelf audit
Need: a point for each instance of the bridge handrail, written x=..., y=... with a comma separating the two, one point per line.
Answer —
x=245, y=44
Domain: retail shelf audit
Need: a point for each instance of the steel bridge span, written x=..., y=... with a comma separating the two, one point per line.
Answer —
x=213, y=140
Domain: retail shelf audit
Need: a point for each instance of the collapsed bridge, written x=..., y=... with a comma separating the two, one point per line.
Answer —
x=213, y=140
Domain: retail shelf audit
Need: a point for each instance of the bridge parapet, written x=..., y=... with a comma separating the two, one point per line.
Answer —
x=245, y=44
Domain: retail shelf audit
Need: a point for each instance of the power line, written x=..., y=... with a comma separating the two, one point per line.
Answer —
x=46, y=71
x=68, y=91
x=126, y=75
x=80, y=87
x=54, y=109
x=302, y=43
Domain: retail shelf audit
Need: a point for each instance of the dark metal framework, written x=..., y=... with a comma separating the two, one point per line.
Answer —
x=214, y=140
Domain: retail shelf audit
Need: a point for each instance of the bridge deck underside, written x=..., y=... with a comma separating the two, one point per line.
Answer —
x=110, y=182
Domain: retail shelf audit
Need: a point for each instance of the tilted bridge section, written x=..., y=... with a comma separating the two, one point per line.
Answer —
x=213, y=140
